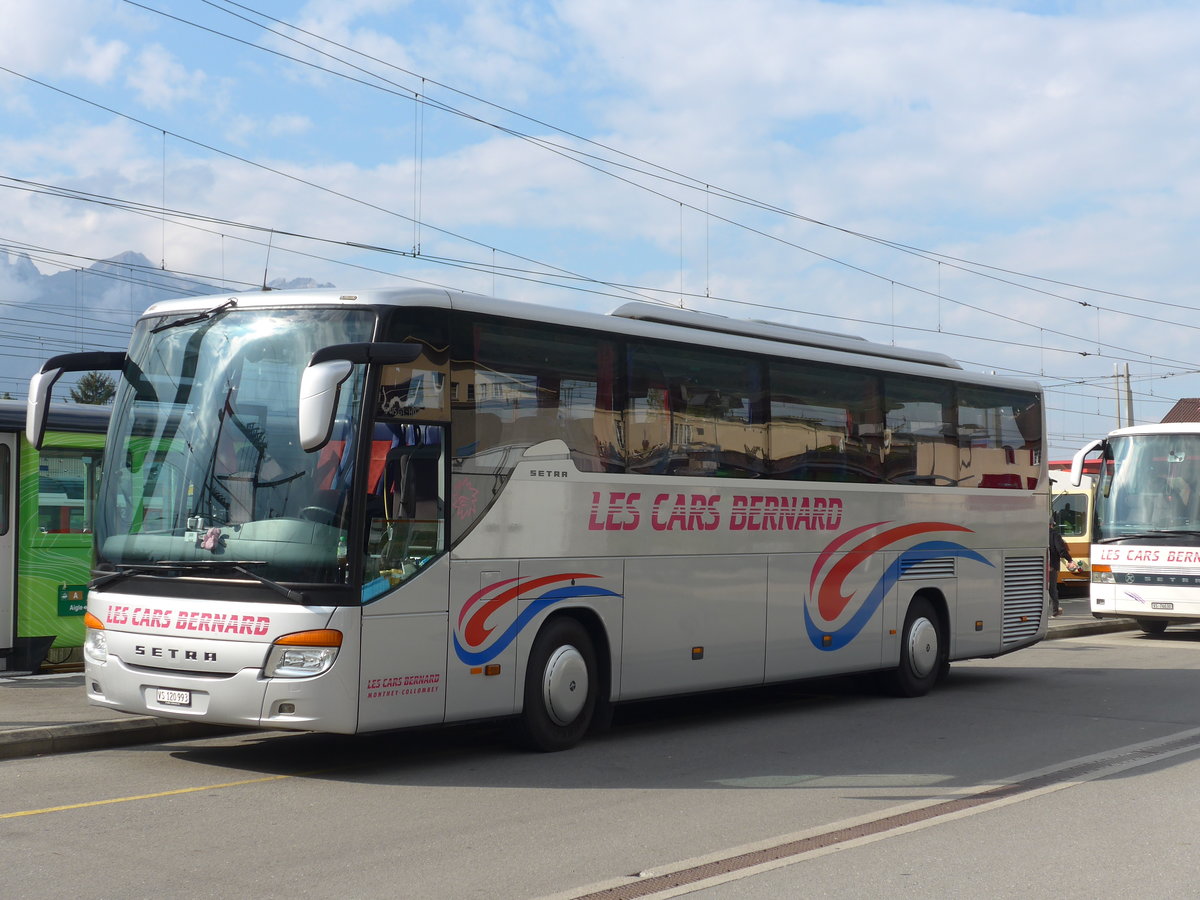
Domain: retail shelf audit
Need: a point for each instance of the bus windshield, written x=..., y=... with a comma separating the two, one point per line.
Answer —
x=1149, y=485
x=207, y=471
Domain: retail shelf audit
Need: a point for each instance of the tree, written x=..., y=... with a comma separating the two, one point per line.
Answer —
x=95, y=388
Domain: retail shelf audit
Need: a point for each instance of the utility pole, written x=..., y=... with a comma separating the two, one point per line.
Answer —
x=1128, y=397
x=1117, y=390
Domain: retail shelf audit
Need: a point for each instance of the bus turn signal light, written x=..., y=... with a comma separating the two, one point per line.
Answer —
x=322, y=637
x=90, y=621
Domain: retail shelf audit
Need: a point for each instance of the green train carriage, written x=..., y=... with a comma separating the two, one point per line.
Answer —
x=47, y=505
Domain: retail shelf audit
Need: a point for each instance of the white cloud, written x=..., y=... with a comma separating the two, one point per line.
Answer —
x=288, y=125
x=41, y=36
x=242, y=130
x=1063, y=144
x=96, y=62
x=161, y=82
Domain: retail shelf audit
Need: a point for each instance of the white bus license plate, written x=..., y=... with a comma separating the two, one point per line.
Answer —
x=173, y=698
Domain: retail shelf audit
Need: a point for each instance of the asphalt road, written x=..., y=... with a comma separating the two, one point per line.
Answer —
x=1066, y=770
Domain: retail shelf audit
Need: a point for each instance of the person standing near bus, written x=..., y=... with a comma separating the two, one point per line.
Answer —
x=1058, y=552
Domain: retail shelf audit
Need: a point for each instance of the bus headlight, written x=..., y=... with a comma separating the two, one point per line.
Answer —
x=1103, y=576
x=95, y=640
x=303, y=654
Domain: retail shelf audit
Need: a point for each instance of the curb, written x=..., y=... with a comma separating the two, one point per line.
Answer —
x=1096, y=626
x=51, y=739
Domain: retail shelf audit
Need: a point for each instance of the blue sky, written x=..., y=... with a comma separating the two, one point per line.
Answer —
x=1013, y=184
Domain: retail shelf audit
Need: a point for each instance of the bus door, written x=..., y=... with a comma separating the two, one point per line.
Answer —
x=406, y=578
x=8, y=537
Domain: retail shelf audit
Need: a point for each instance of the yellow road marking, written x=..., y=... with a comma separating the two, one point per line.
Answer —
x=191, y=790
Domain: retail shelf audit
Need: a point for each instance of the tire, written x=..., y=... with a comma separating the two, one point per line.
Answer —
x=1152, y=626
x=923, y=653
x=561, y=686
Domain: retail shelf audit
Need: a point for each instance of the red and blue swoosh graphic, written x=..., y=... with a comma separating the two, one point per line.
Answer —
x=826, y=587
x=474, y=643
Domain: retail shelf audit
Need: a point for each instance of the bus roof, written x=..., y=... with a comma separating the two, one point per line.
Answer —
x=772, y=331
x=1158, y=428
x=634, y=319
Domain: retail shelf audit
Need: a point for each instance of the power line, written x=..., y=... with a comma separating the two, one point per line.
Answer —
x=541, y=276
x=691, y=182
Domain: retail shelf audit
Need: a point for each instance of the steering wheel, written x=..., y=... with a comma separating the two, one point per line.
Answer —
x=318, y=514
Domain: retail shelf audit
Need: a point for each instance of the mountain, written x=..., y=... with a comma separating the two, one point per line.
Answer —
x=297, y=284
x=83, y=309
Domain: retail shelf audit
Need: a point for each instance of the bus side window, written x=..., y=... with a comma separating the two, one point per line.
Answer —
x=920, y=436
x=998, y=433
x=692, y=412
x=824, y=425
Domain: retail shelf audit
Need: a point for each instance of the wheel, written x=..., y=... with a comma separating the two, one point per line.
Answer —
x=560, y=687
x=923, y=654
x=1152, y=626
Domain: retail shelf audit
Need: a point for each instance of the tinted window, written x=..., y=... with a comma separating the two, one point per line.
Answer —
x=1000, y=437
x=691, y=412
x=826, y=424
x=920, y=443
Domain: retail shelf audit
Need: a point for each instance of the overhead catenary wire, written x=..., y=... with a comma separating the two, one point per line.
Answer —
x=939, y=295
x=517, y=272
x=675, y=177
x=619, y=289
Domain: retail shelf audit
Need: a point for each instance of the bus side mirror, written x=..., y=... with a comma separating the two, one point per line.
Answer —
x=321, y=383
x=1077, y=461
x=42, y=383
x=320, y=386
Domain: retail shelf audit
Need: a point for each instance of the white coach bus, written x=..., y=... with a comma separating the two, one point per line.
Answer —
x=1146, y=532
x=356, y=512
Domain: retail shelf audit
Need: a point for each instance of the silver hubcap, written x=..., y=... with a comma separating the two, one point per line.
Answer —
x=565, y=685
x=922, y=647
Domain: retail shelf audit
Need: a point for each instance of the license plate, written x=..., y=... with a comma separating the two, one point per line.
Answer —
x=173, y=698
x=1162, y=605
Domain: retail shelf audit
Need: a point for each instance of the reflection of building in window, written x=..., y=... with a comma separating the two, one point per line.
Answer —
x=668, y=409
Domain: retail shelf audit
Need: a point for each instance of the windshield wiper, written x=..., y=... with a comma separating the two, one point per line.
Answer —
x=128, y=572
x=198, y=317
x=168, y=567
x=238, y=566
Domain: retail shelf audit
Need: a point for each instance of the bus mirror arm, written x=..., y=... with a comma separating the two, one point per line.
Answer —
x=52, y=369
x=1078, y=458
x=321, y=383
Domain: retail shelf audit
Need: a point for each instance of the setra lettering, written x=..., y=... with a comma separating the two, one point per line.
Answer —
x=174, y=653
